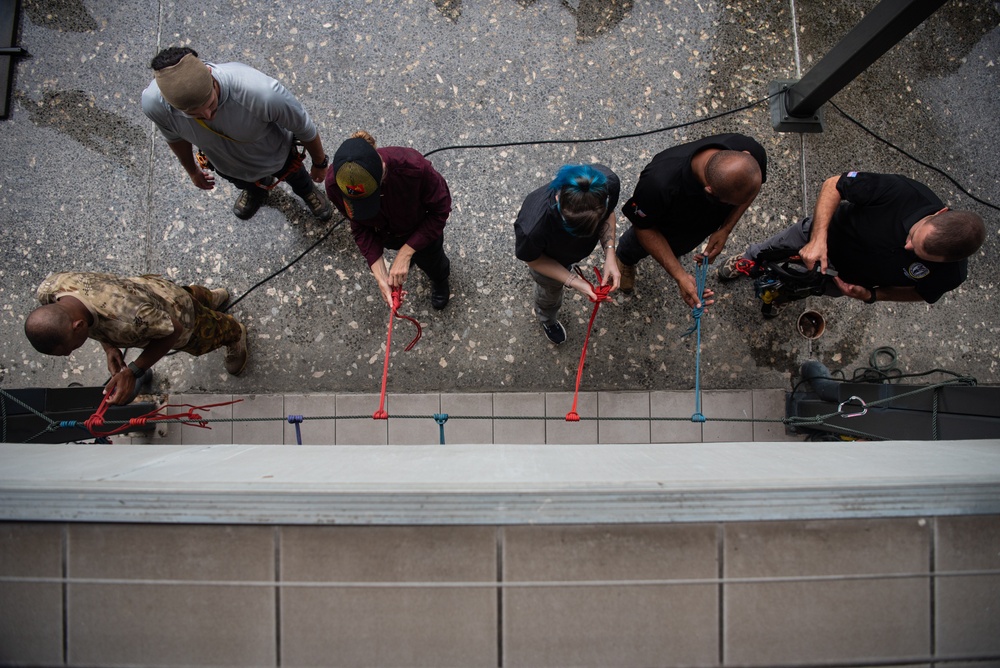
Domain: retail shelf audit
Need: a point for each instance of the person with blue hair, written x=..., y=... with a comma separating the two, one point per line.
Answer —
x=559, y=225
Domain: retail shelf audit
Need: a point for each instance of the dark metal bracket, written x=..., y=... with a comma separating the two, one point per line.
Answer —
x=796, y=105
x=781, y=119
x=9, y=14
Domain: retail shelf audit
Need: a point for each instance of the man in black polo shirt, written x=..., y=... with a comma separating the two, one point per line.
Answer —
x=888, y=237
x=687, y=194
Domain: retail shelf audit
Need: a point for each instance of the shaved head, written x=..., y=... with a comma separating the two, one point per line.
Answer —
x=733, y=176
x=49, y=328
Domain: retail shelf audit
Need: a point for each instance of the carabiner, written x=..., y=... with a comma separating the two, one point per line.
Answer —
x=864, y=407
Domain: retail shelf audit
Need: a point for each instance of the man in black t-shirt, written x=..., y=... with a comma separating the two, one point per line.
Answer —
x=888, y=237
x=687, y=194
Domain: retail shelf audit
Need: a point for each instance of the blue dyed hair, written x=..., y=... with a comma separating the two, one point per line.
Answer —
x=583, y=198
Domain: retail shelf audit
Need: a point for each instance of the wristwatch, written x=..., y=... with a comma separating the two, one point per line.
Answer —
x=134, y=368
x=871, y=300
x=324, y=164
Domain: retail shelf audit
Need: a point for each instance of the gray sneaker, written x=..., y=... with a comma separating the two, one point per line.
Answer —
x=735, y=267
x=319, y=204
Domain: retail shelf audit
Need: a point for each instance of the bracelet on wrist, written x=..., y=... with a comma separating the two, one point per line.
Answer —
x=324, y=164
x=569, y=280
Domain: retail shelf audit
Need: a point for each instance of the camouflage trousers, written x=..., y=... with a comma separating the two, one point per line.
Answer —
x=212, y=329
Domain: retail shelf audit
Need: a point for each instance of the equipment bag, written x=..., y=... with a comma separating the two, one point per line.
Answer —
x=780, y=277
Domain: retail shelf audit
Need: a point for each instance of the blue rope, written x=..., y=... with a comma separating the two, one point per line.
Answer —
x=700, y=276
x=297, y=420
x=441, y=418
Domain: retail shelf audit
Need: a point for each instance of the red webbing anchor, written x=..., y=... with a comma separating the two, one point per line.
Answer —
x=602, y=292
x=96, y=420
x=397, y=301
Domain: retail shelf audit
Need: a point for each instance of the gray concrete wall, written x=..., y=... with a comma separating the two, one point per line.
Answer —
x=690, y=554
x=764, y=593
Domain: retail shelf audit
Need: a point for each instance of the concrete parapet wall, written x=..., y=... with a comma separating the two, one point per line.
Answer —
x=680, y=555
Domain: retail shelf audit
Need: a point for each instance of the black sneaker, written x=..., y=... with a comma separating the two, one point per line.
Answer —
x=248, y=203
x=440, y=294
x=319, y=205
x=555, y=332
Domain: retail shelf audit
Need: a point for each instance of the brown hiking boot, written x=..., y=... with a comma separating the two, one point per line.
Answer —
x=319, y=204
x=220, y=297
x=248, y=203
x=237, y=354
x=627, y=284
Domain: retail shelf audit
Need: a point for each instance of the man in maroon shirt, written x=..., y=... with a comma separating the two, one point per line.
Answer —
x=394, y=199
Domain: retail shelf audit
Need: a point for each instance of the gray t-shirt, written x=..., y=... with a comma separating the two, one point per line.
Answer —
x=251, y=134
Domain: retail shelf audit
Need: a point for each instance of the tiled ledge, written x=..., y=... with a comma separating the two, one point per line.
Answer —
x=627, y=417
x=497, y=484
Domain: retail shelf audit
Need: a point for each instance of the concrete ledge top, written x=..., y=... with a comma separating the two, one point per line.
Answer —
x=490, y=484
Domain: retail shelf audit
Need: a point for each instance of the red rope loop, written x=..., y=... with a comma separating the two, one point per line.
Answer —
x=397, y=302
x=96, y=421
x=602, y=293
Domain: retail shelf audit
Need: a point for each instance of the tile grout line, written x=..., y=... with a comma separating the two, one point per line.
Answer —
x=500, y=590
x=277, y=595
x=932, y=568
x=64, y=538
x=720, y=546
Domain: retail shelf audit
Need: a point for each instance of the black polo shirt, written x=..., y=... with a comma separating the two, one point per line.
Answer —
x=867, y=234
x=670, y=199
x=538, y=229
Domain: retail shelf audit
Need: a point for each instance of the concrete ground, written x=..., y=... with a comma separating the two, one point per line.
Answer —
x=90, y=185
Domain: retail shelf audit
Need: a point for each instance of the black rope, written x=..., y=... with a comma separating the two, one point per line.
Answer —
x=911, y=157
x=286, y=267
x=631, y=135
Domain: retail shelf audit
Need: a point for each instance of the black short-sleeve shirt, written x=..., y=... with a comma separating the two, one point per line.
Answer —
x=670, y=199
x=538, y=229
x=867, y=235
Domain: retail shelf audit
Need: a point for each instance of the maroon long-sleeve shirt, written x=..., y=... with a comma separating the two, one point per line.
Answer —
x=414, y=208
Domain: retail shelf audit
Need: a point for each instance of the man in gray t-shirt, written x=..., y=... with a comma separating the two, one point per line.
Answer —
x=245, y=125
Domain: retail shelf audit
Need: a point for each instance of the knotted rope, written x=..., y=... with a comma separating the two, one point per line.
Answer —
x=700, y=276
x=96, y=421
x=602, y=293
x=397, y=301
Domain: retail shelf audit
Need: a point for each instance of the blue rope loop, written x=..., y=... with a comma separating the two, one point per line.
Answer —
x=700, y=277
x=441, y=418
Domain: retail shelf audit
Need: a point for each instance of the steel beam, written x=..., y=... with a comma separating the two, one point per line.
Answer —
x=796, y=105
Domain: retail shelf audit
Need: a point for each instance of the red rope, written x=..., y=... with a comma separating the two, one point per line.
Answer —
x=744, y=265
x=602, y=292
x=96, y=421
x=397, y=301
